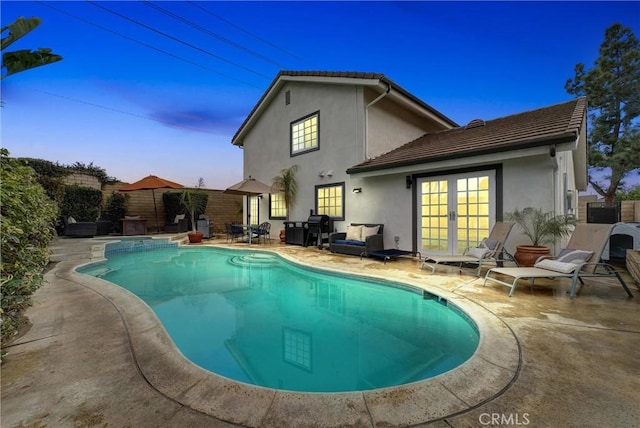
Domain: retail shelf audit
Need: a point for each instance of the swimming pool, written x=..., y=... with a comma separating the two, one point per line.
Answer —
x=256, y=318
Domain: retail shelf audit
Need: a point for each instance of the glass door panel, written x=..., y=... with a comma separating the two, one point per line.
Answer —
x=455, y=211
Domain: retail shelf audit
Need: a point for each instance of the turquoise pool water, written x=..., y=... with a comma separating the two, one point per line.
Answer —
x=255, y=318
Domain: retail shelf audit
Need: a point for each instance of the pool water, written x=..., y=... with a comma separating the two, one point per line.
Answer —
x=258, y=319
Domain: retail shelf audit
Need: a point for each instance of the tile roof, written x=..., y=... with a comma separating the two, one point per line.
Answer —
x=548, y=125
x=338, y=74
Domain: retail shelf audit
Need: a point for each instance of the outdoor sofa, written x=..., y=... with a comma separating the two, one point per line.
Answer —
x=359, y=239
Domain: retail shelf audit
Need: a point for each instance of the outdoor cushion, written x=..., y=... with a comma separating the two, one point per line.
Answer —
x=71, y=220
x=478, y=252
x=491, y=244
x=569, y=255
x=178, y=218
x=556, y=266
x=369, y=231
x=348, y=242
x=354, y=233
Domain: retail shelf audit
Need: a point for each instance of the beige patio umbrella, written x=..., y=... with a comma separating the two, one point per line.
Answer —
x=152, y=182
x=248, y=186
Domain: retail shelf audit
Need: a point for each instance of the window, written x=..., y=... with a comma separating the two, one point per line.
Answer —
x=277, y=209
x=304, y=134
x=330, y=200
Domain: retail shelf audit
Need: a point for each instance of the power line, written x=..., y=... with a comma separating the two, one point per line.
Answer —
x=211, y=33
x=86, y=21
x=255, y=36
x=175, y=39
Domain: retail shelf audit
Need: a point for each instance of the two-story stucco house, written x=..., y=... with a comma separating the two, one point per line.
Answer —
x=368, y=151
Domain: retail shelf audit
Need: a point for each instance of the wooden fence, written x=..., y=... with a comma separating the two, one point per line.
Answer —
x=221, y=207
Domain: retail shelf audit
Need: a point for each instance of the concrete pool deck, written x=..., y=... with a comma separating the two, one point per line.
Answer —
x=95, y=358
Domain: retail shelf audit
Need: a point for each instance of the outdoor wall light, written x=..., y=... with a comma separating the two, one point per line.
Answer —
x=322, y=173
x=330, y=173
x=408, y=181
x=357, y=190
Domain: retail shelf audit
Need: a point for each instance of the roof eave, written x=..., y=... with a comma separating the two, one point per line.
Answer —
x=560, y=139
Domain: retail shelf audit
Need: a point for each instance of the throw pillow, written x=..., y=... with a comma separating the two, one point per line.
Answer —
x=369, y=231
x=491, y=244
x=569, y=255
x=71, y=220
x=354, y=233
x=178, y=218
x=556, y=266
x=478, y=253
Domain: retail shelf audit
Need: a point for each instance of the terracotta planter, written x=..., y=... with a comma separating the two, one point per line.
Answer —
x=526, y=255
x=283, y=236
x=195, y=237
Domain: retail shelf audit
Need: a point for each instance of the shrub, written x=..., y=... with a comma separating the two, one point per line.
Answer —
x=81, y=203
x=27, y=216
x=115, y=209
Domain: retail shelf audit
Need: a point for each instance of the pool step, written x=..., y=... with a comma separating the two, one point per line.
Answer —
x=254, y=260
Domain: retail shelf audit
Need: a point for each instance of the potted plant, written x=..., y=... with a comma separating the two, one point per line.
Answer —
x=287, y=184
x=541, y=228
x=194, y=202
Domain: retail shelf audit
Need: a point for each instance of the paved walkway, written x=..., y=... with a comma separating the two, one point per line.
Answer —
x=80, y=365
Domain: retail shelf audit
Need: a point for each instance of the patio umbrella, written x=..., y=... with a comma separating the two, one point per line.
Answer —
x=248, y=186
x=152, y=182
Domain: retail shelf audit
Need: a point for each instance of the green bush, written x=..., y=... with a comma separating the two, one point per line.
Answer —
x=115, y=208
x=27, y=216
x=172, y=205
x=81, y=203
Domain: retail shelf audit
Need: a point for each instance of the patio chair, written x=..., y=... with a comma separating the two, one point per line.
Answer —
x=490, y=250
x=586, y=243
x=234, y=231
x=263, y=232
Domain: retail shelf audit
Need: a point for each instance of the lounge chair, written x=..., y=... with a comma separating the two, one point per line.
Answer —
x=491, y=250
x=586, y=243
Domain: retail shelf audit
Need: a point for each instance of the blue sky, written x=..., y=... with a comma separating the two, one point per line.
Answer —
x=118, y=102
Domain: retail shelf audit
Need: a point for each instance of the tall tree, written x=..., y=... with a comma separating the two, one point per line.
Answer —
x=17, y=61
x=612, y=88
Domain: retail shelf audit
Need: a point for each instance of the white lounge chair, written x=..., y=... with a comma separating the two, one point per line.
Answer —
x=492, y=252
x=586, y=239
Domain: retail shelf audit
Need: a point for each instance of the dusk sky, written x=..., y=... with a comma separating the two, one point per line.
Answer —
x=161, y=87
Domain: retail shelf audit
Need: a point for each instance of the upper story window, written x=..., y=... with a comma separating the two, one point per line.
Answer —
x=277, y=207
x=305, y=134
x=330, y=200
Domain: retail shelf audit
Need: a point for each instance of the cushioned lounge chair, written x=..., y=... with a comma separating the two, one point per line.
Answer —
x=581, y=259
x=491, y=250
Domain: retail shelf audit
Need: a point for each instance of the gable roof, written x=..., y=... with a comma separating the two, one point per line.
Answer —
x=559, y=123
x=336, y=77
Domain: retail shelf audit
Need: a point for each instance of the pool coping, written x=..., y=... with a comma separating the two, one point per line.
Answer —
x=492, y=368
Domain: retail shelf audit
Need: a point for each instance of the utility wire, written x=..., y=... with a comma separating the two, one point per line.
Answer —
x=255, y=36
x=174, y=38
x=49, y=5
x=211, y=33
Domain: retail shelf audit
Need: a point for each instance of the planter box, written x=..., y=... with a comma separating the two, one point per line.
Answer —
x=633, y=264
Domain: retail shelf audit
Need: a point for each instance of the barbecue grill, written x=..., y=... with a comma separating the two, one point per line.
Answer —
x=320, y=226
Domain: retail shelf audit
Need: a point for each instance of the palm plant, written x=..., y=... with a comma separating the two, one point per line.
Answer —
x=542, y=227
x=287, y=184
x=194, y=202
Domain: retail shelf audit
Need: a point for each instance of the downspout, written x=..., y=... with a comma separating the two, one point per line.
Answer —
x=366, y=120
x=554, y=162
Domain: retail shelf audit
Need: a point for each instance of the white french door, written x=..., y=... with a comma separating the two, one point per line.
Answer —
x=253, y=212
x=455, y=211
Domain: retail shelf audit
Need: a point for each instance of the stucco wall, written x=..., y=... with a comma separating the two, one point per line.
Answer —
x=267, y=145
